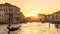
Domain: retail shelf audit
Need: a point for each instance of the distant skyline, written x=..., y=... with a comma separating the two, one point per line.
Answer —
x=33, y=7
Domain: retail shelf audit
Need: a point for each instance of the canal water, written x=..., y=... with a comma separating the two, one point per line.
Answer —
x=31, y=28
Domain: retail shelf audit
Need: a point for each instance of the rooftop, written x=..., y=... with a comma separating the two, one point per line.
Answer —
x=8, y=4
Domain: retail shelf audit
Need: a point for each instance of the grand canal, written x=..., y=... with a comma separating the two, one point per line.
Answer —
x=31, y=28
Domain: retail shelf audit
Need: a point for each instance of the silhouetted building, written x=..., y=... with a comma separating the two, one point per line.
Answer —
x=49, y=18
x=41, y=17
x=10, y=13
x=56, y=16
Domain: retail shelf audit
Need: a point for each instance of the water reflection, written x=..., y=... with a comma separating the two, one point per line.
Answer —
x=31, y=28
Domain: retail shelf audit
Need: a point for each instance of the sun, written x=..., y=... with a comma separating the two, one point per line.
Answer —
x=32, y=13
x=28, y=15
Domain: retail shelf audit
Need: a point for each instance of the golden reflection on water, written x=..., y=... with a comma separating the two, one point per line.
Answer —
x=31, y=28
x=38, y=28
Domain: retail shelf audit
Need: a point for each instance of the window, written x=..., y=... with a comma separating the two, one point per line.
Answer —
x=11, y=15
x=1, y=9
x=10, y=9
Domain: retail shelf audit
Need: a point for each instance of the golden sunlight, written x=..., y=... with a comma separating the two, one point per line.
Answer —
x=28, y=15
x=32, y=13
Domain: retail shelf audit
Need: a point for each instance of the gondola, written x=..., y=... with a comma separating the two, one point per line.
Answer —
x=13, y=28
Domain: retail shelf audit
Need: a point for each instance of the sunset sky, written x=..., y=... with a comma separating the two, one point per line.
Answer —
x=33, y=7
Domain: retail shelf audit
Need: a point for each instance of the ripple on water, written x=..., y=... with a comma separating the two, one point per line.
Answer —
x=31, y=28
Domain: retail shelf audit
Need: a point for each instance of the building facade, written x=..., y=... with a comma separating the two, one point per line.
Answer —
x=10, y=13
x=49, y=18
x=56, y=16
x=41, y=17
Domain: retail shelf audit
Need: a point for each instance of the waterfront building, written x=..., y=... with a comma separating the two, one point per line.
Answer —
x=10, y=13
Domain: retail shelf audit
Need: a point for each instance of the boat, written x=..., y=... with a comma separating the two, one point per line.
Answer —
x=13, y=28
